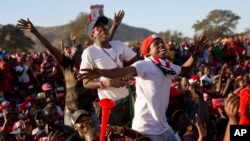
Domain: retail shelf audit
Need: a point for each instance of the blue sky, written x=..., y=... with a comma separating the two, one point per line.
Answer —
x=155, y=15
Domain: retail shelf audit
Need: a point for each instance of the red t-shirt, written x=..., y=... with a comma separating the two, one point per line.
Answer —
x=8, y=129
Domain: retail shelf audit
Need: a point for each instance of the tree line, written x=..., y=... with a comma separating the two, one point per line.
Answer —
x=218, y=23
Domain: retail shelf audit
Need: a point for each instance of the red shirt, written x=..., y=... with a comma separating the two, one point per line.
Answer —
x=5, y=80
x=8, y=129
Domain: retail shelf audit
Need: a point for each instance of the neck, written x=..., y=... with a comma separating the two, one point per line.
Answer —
x=103, y=44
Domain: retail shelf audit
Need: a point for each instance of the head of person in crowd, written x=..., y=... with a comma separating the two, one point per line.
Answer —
x=92, y=134
x=50, y=115
x=51, y=99
x=184, y=88
x=98, y=29
x=82, y=122
x=179, y=122
x=41, y=99
x=207, y=70
x=37, y=116
x=209, y=88
x=46, y=56
x=48, y=90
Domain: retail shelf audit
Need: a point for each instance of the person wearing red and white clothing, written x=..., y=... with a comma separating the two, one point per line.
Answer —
x=22, y=71
x=153, y=80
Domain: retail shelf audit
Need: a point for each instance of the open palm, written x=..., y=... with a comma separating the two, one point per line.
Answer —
x=25, y=25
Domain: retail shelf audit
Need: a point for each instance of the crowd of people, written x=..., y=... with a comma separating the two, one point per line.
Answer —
x=192, y=90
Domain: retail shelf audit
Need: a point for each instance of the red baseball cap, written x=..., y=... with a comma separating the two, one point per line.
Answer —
x=146, y=43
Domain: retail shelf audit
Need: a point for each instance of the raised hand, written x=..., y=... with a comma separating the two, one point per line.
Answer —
x=201, y=42
x=202, y=128
x=117, y=130
x=72, y=36
x=26, y=25
x=118, y=17
x=232, y=106
x=6, y=115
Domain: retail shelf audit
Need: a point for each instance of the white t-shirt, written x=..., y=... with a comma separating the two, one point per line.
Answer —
x=206, y=78
x=152, y=91
x=95, y=55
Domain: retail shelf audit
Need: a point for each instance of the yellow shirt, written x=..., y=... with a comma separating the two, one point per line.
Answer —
x=170, y=55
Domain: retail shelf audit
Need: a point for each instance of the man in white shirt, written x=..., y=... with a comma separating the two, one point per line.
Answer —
x=153, y=78
x=106, y=54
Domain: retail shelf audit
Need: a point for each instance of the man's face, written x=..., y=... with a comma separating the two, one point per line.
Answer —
x=83, y=124
x=101, y=32
x=157, y=49
x=52, y=116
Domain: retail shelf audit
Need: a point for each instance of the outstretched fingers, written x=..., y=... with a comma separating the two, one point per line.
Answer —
x=202, y=39
x=22, y=21
x=22, y=24
x=121, y=13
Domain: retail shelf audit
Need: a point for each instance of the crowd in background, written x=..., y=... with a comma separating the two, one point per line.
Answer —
x=32, y=82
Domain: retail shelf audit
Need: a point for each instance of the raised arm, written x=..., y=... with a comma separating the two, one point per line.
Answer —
x=117, y=21
x=62, y=45
x=27, y=25
x=6, y=120
x=201, y=42
x=231, y=109
x=203, y=109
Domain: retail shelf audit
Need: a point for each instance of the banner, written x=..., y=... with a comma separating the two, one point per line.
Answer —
x=95, y=11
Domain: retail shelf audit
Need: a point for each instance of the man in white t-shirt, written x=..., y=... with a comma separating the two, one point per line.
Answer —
x=106, y=54
x=153, y=78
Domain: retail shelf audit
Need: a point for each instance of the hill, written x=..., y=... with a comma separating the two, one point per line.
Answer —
x=54, y=34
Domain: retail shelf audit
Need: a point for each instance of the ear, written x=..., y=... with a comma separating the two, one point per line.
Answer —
x=75, y=127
